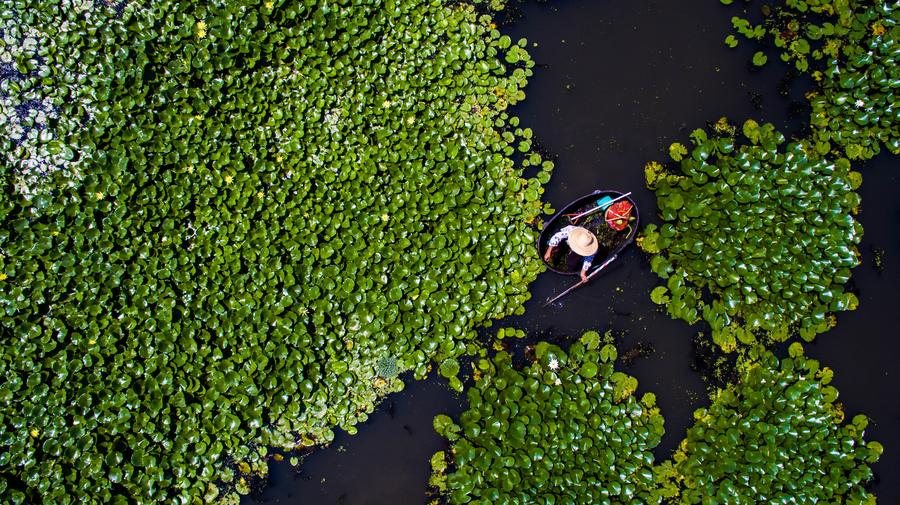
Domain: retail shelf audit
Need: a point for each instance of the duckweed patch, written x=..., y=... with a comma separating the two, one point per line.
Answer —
x=758, y=238
x=776, y=435
x=851, y=49
x=565, y=429
x=287, y=205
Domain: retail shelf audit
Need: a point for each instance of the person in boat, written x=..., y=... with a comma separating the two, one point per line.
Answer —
x=580, y=241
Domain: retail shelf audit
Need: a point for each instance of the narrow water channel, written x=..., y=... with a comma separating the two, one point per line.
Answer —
x=616, y=83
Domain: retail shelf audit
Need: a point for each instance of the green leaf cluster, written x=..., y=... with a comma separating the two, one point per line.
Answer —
x=857, y=109
x=764, y=227
x=776, y=436
x=850, y=48
x=559, y=431
x=287, y=205
x=563, y=429
x=47, y=94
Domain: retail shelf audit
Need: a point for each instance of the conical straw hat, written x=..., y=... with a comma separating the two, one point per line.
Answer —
x=582, y=241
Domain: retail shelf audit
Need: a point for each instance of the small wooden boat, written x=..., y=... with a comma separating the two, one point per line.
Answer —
x=596, y=213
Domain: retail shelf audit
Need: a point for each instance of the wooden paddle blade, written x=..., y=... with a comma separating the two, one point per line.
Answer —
x=581, y=283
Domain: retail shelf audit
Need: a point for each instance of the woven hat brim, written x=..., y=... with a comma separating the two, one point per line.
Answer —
x=579, y=249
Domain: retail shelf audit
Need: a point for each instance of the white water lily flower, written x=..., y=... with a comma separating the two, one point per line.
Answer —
x=554, y=364
x=557, y=382
x=860, y=103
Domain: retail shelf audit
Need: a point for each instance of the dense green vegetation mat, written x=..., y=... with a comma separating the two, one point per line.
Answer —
x=777, y=436
x=260, y=213
x=851, y=48
x=564, y=429
x=758, y=236
x=230, y=225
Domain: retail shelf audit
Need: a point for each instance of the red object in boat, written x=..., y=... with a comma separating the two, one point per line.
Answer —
x=617, y=215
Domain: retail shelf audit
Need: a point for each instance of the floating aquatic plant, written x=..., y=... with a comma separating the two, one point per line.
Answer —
x=777, y=436
x=851, y=49
x=564, y=429
x=280, y=196
x=764, y=227
x=46, y=94
x=386, y=367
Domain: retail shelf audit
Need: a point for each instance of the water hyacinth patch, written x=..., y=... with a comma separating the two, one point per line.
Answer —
x=850, y=48
x=565, y=429
x=287, y=205
x=777, y=436
x=764, y=227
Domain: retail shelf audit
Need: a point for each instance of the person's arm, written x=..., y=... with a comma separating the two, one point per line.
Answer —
x=549, y=253
x=585, y=266
x=555, y=240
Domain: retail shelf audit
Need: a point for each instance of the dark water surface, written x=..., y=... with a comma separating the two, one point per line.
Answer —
x=616, y=83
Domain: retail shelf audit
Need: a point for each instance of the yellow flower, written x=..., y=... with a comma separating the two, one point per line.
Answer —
x=878, y=29
x=98, y=195
x=384, y=217
x=279, y=158
x=269, y=5
x=92, y=342
x=190, y=169
x=200, y=29
x=259, y=194
x=34, y=432
x=228, y=179
x=3, y=276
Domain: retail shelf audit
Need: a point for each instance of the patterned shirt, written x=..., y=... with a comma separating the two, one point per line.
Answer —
x=563, y=234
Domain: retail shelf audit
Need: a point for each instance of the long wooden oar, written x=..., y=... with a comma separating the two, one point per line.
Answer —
x=581, y=283
x=574, y=219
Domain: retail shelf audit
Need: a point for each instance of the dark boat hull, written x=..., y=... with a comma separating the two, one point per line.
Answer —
x=611, y=242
